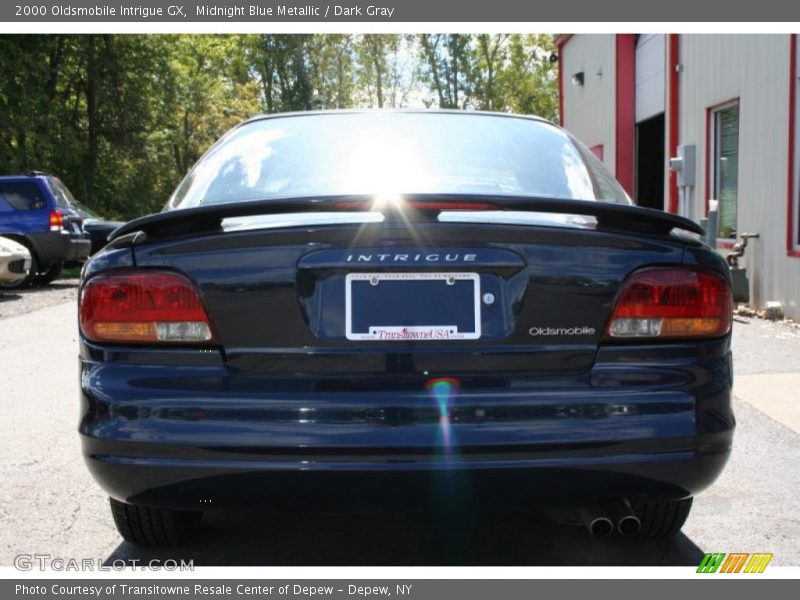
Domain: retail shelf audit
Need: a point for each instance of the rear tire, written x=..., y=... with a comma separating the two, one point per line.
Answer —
x=149, y=526
x=660, y=518
x=49, y=274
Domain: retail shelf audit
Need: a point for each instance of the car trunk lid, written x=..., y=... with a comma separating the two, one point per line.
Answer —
x=278, y=298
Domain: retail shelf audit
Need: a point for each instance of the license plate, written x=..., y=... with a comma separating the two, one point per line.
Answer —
x=412, y=306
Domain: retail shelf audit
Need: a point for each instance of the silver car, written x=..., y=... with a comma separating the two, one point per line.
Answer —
x=15, y=261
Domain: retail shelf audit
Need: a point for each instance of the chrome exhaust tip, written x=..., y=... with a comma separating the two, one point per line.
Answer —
x=596, y=521
x=627, y=523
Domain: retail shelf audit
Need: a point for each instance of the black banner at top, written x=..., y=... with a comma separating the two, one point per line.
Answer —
x=399, y=11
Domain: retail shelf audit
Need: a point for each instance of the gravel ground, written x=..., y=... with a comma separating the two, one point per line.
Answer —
x=761, y=346
x=19, y=302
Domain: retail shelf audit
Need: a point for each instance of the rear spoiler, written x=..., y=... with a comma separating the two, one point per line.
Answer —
x=208, y=218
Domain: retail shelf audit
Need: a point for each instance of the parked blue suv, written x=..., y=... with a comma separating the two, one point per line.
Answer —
x=37, y=211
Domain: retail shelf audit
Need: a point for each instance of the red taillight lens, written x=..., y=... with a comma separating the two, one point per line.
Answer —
x=672, y=303
x=56, y=220
x=143, y=306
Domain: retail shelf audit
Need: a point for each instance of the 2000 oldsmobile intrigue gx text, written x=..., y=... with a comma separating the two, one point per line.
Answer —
x=362, y=310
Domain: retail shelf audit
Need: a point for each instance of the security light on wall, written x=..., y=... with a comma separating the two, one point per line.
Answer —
x=577, y=79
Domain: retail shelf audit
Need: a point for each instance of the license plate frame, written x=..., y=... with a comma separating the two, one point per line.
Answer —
x=410, y=332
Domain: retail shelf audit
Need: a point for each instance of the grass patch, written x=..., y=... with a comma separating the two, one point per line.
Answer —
x=71, y=273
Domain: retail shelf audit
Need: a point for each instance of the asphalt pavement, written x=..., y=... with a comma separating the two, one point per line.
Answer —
x=51, y=505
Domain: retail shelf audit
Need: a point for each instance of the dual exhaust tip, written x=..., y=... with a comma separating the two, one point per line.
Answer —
x=603, y=520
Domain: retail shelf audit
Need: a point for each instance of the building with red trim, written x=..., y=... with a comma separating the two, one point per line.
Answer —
x=726, y=104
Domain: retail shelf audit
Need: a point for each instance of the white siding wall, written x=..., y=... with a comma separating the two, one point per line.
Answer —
x=667, y=123
x=755, y=69
x=651, y=59
x=715, y=68
x=589, y=109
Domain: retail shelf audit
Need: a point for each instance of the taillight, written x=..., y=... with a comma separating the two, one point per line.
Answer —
x=672, y=303
x=56, y=220
x=143, y=307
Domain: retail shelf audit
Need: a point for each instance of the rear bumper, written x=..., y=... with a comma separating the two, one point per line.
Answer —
x=54, y=246
x=342, y=484
x=204, y=437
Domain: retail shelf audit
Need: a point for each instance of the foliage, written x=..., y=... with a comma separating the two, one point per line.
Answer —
x=121, y=118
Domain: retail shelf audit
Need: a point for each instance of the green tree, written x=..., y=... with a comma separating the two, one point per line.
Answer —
x=488, y=63
x=333, y=71
x=121, y=118
x=387, y=69
x=530, y=78
x=447, y=67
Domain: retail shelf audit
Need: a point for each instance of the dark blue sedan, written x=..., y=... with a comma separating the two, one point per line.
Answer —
x=365, y=310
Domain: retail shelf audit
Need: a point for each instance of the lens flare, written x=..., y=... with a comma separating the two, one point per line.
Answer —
x=453, y=501
x=443, y=391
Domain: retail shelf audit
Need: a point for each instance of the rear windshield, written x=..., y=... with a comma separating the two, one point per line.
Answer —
x=22, y=195
x=395, y=153
x=63, y=196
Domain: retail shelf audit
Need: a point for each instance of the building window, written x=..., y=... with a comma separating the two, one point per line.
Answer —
x=724, y=140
